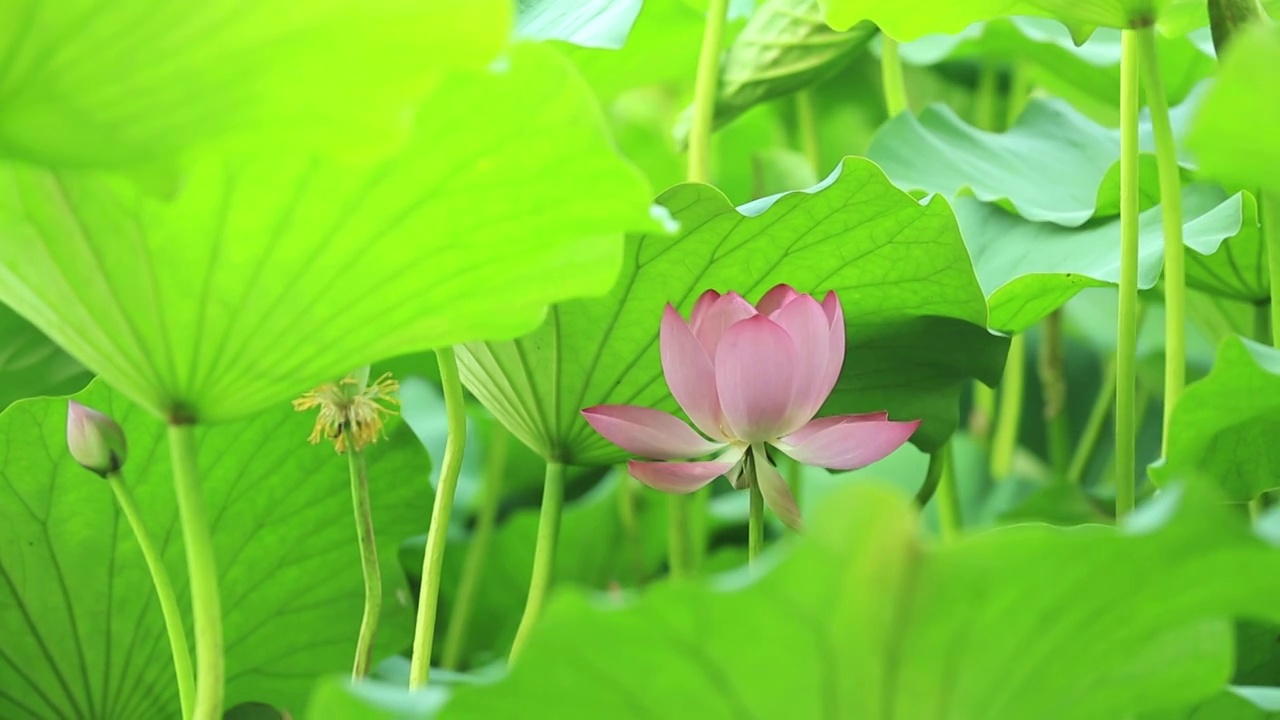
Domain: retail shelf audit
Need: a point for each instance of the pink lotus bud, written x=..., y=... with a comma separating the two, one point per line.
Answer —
x=95, y=440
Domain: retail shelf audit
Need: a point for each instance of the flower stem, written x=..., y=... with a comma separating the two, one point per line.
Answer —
x=1004, y=440
x=807, y=125
x=424, y=630
x=950, y=521
x=891, y=77
x=678, y=531
x=368, y=563
x=1269, y=212
x=544, y=556
x=1175, y=253
x=755, y=521
x=932, y=478
x=986, y=108
x=1093, y=425
x=202, y=571
x=1127, y=322
x=495, y=469
x=1053, y=383
x=704, y=92
x=173, y=624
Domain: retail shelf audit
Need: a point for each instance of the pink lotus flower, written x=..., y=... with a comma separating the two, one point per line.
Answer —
x=749, y=377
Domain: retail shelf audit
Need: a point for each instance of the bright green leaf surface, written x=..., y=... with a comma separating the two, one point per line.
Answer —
x=112, y=83
x=909, y=21
x=939, y=152
x=30, y=364
x=1236, y=135
x=1030, y=269
x=264, y=278
x=601, y=24
x=83, y=633
x=1224, y=427
x=915, y=314
x=866, y=618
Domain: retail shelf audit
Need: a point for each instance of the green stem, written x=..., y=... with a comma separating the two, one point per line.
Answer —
x=1009, y=417
x=495, y=468
x=704, y=92
x=984, y=408
x=1269, y=214
x=1127, y=321
x=455, y=411
x=949, y=517
x=202, y=571
x=699, y=528
x=678, y=536
x=755, y=523
x=1053, y=383
x=932, y=479
x=1019, y=93
x=368, y=563
x=1093, y=426
x=628, y=497
x=544, y=556
x=795, y=479
x=891, y=77
x=986, y=98
x=1175, y=253
x=807, y=125
x=164, y=593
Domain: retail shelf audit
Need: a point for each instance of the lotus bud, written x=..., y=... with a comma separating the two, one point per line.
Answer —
x=94, y=439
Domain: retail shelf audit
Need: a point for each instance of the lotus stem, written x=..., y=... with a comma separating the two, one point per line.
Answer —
x=544, y=556
x=1127, y=322
x=495, y=468
x=437, y=534
x=202, y=571
x=169, y=608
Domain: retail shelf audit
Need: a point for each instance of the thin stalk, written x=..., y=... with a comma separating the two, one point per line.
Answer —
x=368, y=562
x=932, y=478
x=678, y=532
x=544, y=556
x=1127, y=322
x=950, y=521
x=495, y=468
x=981, y=413
x=1004, y=440
x=1053, y=383
x=807, y=127
x=455, y=411
x=891, y=77
x=164, y=593
x=1019, y=93
x=1256, y=507
x=795, y=479
x=1175, y=253
x=202, y=571
x=1094, y=424
x=1262, y=315
x=1269, y=214
x=986, y=98
x=628, y=498
x=699, y=528
x=704, y=92
x=755, y=522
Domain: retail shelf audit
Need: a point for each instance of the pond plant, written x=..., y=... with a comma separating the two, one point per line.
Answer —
x=381, y=359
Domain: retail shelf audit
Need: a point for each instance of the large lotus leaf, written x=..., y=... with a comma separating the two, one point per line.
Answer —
x=915, y=315
x=267, y=276
x=1234, y=703
x=30, y=364
x=1087, y=75
x=868, y=618
x=601, y=24
x=120, y=83
x=83, y=634
x=1236, y=134
x=600, y=546
x=909, y=21
x=1028, y=269
x=1224, y=426
x=939, y=152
